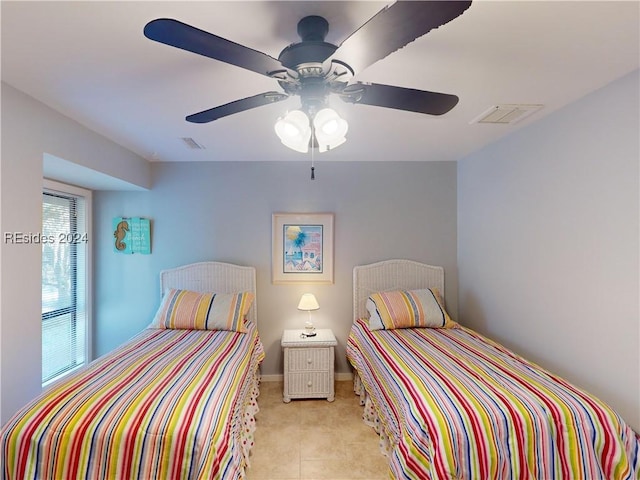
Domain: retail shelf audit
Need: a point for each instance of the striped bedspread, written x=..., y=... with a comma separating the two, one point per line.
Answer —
x=166, y=405
x=456, y=405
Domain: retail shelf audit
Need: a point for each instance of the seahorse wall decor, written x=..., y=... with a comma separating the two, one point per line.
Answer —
x=120, y=233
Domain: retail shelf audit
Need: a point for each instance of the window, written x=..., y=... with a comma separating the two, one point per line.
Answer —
x=65, y=279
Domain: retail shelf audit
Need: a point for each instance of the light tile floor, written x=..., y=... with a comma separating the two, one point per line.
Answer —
x=314, y=439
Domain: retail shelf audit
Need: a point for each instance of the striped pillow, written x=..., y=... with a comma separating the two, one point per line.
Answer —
x=187, y=310
x=407, y=309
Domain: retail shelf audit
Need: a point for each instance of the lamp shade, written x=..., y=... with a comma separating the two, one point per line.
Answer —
x=294, y=130
x=308, y=302
x=330, y=129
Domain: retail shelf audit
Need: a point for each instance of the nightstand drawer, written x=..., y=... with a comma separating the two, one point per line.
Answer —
x=306, y=359
x=310, y=384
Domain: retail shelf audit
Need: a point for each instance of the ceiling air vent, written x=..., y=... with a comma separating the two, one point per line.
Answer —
x=192, y=144
x=506, y=113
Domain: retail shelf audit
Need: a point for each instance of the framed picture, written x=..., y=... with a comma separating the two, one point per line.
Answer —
x=302, y=248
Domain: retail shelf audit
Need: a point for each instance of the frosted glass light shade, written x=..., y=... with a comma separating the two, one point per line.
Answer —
x=294, y=131
x=330, y=129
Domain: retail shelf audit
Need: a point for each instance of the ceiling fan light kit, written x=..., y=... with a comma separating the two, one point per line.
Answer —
x=327, y=130
x=314, y=69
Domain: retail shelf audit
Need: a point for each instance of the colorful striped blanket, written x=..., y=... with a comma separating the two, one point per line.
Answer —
x=169, y=404
x=456, y=405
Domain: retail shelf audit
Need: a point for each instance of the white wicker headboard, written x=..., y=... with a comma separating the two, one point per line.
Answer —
x=392, y=275
x=212, y=277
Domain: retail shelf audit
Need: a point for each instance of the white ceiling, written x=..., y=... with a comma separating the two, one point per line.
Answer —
x=90, y=61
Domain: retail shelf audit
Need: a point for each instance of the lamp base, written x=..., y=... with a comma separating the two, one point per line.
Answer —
x=308, y=334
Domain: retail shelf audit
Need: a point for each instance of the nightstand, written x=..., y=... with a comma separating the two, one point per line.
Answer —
x=308, y=365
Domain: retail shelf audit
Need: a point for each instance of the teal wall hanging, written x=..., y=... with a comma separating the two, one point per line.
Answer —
x=132, y=235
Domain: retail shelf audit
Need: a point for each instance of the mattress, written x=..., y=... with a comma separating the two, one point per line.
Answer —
x=169, y=404
x=453, y=404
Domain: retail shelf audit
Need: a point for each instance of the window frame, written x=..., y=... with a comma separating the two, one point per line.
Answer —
x=54, y=187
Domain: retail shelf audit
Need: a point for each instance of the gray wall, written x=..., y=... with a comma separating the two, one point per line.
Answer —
x=30, y=131
x=222, y=211
x=548, y=227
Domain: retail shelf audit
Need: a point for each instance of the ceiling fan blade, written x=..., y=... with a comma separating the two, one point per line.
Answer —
x=236, y=107
x=400, y=98
x=394, y=27
x=180, y=35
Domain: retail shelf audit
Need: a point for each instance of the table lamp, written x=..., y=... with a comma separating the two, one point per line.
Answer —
x=308, y=303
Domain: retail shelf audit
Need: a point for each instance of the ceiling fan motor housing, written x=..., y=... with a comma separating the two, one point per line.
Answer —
x=304, y=53
x=312, y=49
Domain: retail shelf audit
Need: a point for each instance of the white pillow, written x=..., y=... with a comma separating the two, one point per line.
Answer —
x=375, y=322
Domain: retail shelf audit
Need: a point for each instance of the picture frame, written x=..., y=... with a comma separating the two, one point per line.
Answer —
x=302, y=245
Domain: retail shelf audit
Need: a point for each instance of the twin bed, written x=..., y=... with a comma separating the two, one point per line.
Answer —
x=177, y=401
x=449, y=403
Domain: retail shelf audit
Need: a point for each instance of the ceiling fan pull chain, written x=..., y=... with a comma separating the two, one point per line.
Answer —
x=313, y=174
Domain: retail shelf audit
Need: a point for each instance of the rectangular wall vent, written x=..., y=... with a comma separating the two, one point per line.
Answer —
x=192, y=144
x=506, y=113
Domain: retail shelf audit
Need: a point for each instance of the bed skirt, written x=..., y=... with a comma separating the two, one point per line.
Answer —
x=249, y=412
x=370, y=416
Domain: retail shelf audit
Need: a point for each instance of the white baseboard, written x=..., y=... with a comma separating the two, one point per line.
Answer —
x=272, y=378
x=340, y=377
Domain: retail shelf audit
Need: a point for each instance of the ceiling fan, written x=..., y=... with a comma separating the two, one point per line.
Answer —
x=313, y=69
